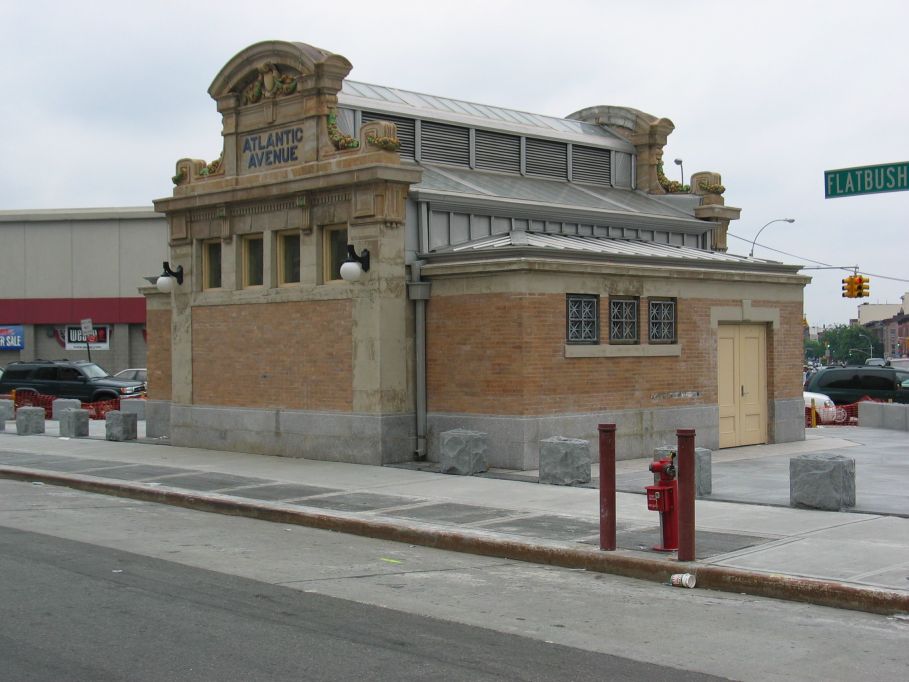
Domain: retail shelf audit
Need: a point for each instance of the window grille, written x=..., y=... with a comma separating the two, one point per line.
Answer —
x=662, y=321
x=623, y=320
x=583, y=318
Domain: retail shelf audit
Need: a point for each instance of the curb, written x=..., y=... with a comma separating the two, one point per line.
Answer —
x=791, y=588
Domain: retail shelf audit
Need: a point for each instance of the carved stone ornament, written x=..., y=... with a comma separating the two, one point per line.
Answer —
x=268, y=83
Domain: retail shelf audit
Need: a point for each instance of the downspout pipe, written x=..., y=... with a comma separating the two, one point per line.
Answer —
x=418, y=292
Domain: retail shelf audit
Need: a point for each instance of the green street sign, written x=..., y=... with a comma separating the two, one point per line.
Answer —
x=849, y=182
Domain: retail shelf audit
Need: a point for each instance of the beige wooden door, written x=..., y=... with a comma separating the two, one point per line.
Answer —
x=742, y=384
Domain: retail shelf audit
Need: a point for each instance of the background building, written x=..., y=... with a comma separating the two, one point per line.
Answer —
x=528, y=276
x=58, y=267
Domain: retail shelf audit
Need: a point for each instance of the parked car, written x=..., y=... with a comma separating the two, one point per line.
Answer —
x=824, y=409
x=846, y=385
x=133, y=374
x=876, y=362
x=77, y=379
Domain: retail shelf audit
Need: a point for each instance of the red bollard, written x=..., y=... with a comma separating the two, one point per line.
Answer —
x=686, y=494
x=607, y=486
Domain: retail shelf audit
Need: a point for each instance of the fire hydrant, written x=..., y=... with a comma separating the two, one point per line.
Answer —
x=662, y=497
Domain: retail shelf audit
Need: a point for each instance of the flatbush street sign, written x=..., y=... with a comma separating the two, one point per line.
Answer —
x=848, y=182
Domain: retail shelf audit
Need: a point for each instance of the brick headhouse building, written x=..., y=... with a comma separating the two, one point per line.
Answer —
x=528, y=277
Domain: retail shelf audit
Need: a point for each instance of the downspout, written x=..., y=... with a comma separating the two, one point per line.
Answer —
x=418, y=292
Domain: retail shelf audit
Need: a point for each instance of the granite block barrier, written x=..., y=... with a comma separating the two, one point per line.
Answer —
x=60, y=404
x=564, y=461
x=29, y=421
x=7, y=410
x=74, y=423
x=121, y=426
x=703, y=467
x=463, y=452
x=822, y=481
x=133, y=406
x=883, y=415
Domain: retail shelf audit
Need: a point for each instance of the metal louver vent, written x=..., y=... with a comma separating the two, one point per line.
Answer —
x=444, y=143
x=495, y=151
x=405, y=128
x=589, y=164
x=549, y=159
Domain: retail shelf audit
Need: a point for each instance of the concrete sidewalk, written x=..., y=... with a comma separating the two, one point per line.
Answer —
x=845, y=559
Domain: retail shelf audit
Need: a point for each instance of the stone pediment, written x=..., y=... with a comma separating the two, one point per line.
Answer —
x=277, y=68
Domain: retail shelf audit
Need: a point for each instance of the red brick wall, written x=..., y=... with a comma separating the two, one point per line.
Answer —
x=505, y=354
x=158, y=341
x=292, y=355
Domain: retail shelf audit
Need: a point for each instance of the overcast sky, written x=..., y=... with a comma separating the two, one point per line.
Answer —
x=100, y=99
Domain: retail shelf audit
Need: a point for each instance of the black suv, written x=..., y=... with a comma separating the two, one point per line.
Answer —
x=77, y=379
x=845, y=385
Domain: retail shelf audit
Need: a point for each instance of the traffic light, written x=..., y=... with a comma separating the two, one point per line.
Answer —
x=849, y=287
x=861, y=286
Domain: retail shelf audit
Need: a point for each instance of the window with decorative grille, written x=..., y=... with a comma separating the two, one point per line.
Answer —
x=583, y=318
x=623, y=320
x=662, y=315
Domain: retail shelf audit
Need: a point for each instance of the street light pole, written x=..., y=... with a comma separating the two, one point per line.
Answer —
x=776, y=220
x=678, y=162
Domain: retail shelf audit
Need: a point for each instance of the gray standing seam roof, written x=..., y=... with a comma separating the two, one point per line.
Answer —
x=466, y=182
x=484, y=114
x=607, y=246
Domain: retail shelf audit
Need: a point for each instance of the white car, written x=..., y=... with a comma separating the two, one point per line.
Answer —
x=823, y=407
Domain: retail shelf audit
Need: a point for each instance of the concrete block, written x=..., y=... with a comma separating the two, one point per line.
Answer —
x=136, y=407
x=871, y=414
x=703, y=467
x=822, y=481
x=7, y=410
x=895, y=416
x=463, y=452
x=60, y=404
x=74, y=423
x=121, y=426
x=29, y=421
x=564, y=461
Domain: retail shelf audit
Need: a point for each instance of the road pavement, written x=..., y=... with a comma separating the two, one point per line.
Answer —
x=748, y=539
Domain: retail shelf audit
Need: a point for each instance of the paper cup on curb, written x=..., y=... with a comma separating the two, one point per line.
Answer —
x=682, y=580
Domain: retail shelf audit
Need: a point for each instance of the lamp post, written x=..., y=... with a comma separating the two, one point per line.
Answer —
x=775, y=220
x=678, y=162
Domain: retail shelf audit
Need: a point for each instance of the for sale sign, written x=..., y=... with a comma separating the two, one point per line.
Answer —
x=97, y=339
x=12, y=337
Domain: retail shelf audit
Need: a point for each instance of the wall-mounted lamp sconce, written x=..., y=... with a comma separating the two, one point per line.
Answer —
x=166, y=281
x=353, y=268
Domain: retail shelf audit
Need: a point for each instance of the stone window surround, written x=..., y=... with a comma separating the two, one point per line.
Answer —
x=675, y=319
x=626, y=350
x=625, y=321
x=246, y=242
x=205, y=248
x=595, y=339
x=282, y=238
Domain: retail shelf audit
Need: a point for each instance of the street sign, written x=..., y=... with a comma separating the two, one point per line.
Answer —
x=849, y=182
x=86, y=326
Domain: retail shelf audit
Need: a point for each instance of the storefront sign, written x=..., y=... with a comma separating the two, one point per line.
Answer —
x=12, y=337
x=98, y=339
x=847, y=182
x=275, y=148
